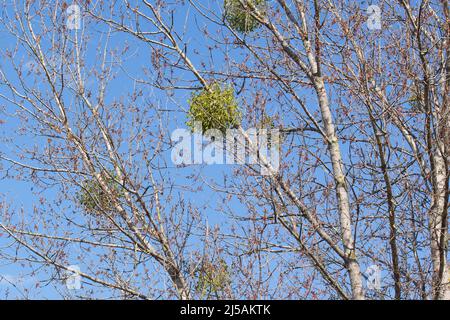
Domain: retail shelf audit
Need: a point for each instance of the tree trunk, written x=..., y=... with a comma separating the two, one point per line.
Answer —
x=341, y=192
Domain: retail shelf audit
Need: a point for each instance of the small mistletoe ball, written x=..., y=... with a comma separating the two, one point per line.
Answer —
x=215, y=108
x=239, y=17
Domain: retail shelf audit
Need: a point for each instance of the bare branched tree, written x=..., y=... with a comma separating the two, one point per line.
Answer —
x=361, y=107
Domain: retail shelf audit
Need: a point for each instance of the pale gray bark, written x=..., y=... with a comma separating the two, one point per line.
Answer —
x=341, y=192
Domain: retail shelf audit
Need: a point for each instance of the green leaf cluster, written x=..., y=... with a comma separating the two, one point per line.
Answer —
x=240, y=18
x=215, y=108
x=212, y=279
x=266, y=122
x=92, y=197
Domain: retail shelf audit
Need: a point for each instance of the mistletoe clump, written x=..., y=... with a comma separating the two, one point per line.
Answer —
x=266, y=122
x=215, y=108
x=239, y=17
x=94, y=199
x=212, y=279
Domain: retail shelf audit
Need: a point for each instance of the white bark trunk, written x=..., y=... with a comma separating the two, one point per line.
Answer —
x=441, y=286
x=341, y=192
